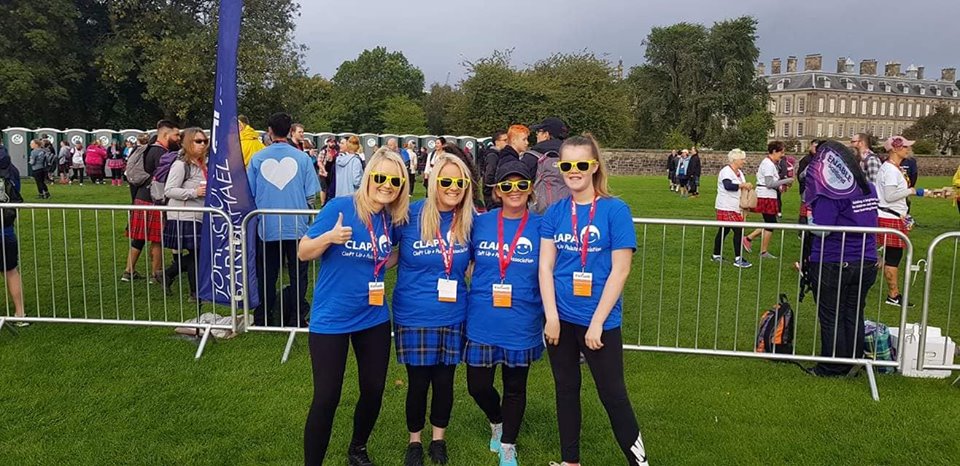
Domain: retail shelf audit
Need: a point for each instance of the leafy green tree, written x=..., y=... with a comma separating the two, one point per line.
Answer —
x=400, y=115
x=362, y=86
x=941, y=127
x=41, y=66
x=700, y=81
x=494, y=96
x=436, y=107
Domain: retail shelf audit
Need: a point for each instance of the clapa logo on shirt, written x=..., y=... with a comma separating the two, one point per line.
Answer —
x=421, y=247
x=591, y=232
x=384, y=244
x=524, y=247
x=566, y=241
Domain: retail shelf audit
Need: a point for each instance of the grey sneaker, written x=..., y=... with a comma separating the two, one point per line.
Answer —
x=716, y=258
x=742, y=263
x=127, y=276
x=767, y=255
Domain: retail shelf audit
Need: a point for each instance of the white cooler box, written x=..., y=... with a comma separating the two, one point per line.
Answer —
x=936, y=353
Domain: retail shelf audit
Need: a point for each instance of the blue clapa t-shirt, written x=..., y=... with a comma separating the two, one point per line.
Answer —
x=340, y=296
x=612, y=229
x=519, y=327
x=415, y=299
x=282, y=177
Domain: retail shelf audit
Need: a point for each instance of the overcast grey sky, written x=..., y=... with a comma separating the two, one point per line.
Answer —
x=437, y=35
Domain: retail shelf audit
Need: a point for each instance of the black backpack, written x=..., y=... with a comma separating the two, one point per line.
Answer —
x=775, y=334
x=8, y=195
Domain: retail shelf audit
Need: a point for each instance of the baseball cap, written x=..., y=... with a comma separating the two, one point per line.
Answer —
x=897, y=142
x=553, y=125
x=512, y=167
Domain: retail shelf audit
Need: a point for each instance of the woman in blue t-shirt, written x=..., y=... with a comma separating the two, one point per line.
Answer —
x=587, y=243
x=430, y=300
x=353, y=237
x=505, y=315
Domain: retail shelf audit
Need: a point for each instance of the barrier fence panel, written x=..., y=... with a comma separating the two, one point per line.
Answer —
x=277, y=262
x=940, y=296
x=72, y=262
x=680, y=299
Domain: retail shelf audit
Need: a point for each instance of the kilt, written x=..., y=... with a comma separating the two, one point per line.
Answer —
x=481, y=355
x=116, y=164
x=892, y=241
x=94, y=170
x=729, y=216
x=767, y=206
x=179, y=234
x=804, y=210
x=429, y=346
x=145, y=225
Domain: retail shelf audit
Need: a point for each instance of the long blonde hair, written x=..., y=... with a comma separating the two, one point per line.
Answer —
x=600, y=184
x=399, y=208
x=430, y=216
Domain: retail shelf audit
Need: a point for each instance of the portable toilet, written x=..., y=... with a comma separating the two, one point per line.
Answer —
x=17, y=142
x=310, y=137
x=386, y=137
x=429, y=142
x=77, y=136
x=106, y=136
x=469, y=146
x=50, y=134
x=452, y=140
x=131, y=135
x=369, y=143
x=406, y=138
x=322, y=138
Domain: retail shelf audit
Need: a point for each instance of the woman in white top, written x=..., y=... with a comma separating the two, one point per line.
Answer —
x=892, y=192
x=729, y=184
x=768, y=185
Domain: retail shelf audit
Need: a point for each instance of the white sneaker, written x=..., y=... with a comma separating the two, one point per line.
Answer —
x=716, y=258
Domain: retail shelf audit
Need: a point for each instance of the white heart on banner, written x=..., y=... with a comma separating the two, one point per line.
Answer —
x=279, y=173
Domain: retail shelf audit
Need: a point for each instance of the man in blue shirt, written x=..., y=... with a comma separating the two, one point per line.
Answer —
x=281, y=177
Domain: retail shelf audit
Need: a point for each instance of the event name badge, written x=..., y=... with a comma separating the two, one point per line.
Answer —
x=583, y=284
x=447, y=290
x=502, y=295
x=375, y=293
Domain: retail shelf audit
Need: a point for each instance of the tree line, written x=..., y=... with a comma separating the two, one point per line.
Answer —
x=127, y=63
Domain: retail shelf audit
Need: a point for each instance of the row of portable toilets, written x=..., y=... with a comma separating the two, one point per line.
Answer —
x=17, y=140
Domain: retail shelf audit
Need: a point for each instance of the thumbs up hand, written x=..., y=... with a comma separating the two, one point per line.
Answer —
x=340, y=234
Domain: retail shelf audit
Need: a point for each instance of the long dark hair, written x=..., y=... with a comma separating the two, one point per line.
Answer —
x=850, y=159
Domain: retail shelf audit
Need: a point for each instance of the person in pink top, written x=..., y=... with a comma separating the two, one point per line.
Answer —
x=95, y=159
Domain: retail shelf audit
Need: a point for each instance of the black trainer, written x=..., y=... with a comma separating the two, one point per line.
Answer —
x=438, y=452
x=357, y=456
x=414, y=455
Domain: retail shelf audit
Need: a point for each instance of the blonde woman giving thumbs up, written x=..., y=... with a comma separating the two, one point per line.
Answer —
x=354, y=237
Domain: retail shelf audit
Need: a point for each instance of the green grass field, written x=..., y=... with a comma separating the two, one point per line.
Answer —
x=84, y=394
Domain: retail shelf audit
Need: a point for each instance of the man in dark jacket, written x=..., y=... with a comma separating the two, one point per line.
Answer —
x=490, y=158
x=694, y=170
x=672, y=169
x=550, y=134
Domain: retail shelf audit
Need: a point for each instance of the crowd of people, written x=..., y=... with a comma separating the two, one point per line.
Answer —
x=519, y=252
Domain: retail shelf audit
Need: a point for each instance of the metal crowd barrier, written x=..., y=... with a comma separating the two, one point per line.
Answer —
x=72, y=260
x=281, y=320
x=681, y=301
x=942, y=317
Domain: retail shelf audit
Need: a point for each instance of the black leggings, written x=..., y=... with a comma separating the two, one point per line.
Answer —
x=737, y=240
x=769, y=218
x=40, y=176
x=420, y=378
x=510, y=413
x=328, y=356
x=77, y=172
x=606, y=366
x=183, y=262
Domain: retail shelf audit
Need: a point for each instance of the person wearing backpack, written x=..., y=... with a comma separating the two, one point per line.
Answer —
x=76, y=163
x=9, y=194
x=148, y=225
x=548, y=186
x=843, y=266
x=185, y=185
x=491, y=160
x=63, y=161
x=38, y=167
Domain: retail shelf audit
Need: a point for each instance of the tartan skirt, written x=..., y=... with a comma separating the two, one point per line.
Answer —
x=729, y=216
x=429, y=346
x=482, y=355
x=892, y=241
x=767, y=206
x=145, y=225
x=179, y=234
x=804, y=209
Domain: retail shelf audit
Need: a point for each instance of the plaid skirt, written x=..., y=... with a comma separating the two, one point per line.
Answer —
x=145, y=225
x=892, y=241
x=767, y=206
x=481, y=355
x=179, y=234
x=429, y=346
x=729, y=216
x=804, y=209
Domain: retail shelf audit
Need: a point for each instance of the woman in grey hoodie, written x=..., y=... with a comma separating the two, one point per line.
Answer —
x=349, y=168
x=186, y=186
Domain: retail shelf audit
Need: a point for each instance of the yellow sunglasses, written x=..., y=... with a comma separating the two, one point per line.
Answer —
x=446, y=182
x=520, y=185
x=381, y=178
x=581, y=166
